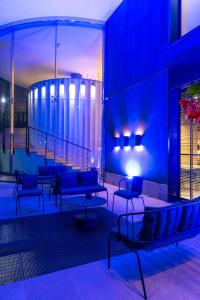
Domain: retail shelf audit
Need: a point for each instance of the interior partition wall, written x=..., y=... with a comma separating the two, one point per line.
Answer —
x=37, y=57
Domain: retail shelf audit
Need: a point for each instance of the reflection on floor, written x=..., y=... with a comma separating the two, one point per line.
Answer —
x=170, y=273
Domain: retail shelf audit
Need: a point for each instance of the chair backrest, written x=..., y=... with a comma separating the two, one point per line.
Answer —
x=58, y=170
x=88, y=178
x=68, y=180
x=160, y=223
x=29, y=181
x=18, y=175
x=136, y=184
x=45, y=171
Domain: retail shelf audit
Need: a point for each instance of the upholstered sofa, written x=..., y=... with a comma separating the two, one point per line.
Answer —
x=78, y=183
x=156, y=227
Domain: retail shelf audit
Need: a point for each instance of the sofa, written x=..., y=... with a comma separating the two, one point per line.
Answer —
x=158, y=227
x=78, y=183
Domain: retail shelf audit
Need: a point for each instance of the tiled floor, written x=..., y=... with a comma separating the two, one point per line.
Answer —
x=170, y=273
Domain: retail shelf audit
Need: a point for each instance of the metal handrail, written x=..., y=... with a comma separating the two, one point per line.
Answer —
x=85, y=157
x=58, y=138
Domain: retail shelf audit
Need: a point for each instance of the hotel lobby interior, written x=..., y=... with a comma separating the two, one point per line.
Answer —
x=99, y=149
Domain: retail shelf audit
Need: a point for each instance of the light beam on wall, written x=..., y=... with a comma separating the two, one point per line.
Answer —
x=43, y=93
x=72, y=91
x=93, y=91
x=52, y=90
x=36, y=93
x=82, y=91
x=62, y=91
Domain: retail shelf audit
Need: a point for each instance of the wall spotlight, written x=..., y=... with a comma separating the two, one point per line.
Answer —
x=138, y=143
x=138, y=140
x=117, y=143
x=127, y=143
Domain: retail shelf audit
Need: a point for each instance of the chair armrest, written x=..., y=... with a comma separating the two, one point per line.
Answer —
x=121, y=180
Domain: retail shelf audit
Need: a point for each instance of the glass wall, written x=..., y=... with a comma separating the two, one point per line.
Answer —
x=190, y=149
x=43, y=54
x=190, y=15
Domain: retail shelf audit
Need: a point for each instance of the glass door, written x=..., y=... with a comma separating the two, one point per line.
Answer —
x=190, y=148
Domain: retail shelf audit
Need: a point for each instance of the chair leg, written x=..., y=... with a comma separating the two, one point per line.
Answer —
x=60, y=203
x=43, y=203
x=16, y=206
x=109, y=248
x=132, y=203
x=127, y=206
x=107, y=197
x=141, y=274
x=143, y=202
x=113, y=202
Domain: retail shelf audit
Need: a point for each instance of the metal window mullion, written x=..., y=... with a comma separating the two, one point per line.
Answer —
x=12, y=90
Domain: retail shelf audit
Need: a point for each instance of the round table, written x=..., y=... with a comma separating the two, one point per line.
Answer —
x=87, y=220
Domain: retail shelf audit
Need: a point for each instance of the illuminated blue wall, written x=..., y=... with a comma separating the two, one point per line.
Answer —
x=143, y=75
x=136, y=84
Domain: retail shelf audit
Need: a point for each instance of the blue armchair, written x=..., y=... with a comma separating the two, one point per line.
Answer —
x=28, y=187
x=133, y=189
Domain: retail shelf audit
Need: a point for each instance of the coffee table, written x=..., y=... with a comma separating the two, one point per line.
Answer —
x=86, y=219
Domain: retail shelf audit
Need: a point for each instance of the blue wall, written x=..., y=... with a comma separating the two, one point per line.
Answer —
x=143, y=75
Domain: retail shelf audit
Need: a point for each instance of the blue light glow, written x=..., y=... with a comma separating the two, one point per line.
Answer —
x=117, y=148
x=127, y=148
x=3, y=100
x=132, y=168
x=139, y=148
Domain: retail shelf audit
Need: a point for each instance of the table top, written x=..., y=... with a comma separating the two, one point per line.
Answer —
x=82, y=201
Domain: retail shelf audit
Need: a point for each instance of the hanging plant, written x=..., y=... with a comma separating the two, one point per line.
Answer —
x=191, y=108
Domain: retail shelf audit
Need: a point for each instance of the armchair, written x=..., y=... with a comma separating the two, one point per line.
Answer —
x=27, y=187
x=133, y=189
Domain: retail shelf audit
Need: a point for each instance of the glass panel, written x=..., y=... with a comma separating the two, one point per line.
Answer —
x=5, y=79
x=190, y=149
x=196, y=161
x=34, y=62
x=190, y=15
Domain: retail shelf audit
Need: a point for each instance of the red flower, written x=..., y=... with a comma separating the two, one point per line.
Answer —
x=191, y=108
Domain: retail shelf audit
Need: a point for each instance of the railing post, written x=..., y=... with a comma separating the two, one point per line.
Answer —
x=46, y=148
x=3, y=133
x=54, y=152
x=65, y=152
x=27, y=141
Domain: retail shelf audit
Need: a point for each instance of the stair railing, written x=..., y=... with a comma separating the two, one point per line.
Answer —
x=57, y=148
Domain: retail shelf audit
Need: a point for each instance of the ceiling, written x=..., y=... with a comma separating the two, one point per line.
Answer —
x=79, y=48
x=79, y=51
x=17, y=10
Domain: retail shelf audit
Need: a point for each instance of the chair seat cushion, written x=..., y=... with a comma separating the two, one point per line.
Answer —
x=127, y=194
x=82, y=190
x=29, y=192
